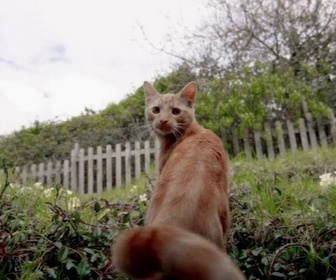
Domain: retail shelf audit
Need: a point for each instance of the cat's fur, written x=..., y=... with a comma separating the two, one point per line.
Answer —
x=188, y=213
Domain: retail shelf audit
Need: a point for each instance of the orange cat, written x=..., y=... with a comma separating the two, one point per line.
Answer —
x=188, y=213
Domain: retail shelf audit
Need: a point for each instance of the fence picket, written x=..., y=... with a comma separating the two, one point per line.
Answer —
x=247, y=145
x=291, y=134
x=303, y=134
x=118, y=166
x=58, y=172
x=128, y=174
x=311, y=131
x=109, y=170
x=66, y=173
x=49, y=174
x=269, y=141
x=85, y=172
x=280, y=138
x=90, y=170
x=147, y=155
x=74, y=155
x=322, y=135
x=99, y=170
x=258, y=145
x=333, y=127
x=81, y=171
x=137, y=160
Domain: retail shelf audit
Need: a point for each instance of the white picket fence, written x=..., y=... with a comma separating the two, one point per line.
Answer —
x=94, y=170
x=103, y=168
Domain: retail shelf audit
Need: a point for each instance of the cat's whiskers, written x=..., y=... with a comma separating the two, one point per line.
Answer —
x=142, y=131
x=178, y=130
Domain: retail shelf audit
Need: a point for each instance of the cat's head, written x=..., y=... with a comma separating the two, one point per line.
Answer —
x=170, y=113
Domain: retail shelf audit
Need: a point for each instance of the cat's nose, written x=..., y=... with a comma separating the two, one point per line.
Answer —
x=163, y=121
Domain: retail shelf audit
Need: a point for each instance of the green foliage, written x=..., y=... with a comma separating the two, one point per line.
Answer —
x=254, y=95
x=283, y=224
x=43, y=238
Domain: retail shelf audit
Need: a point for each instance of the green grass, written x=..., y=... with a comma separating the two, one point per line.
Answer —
x=279, y=205
x=283, y=226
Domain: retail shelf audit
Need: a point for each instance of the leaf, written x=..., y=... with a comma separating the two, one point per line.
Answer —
x=97, y=232
x=58, y=245
x=278, y=274
x=243, y=255
x=264, y=261
x=103, y=213
x=121, y=213
x=51, y=272
x=63, y=254
x=76, y=216
x=302, y=270
x=69, y=265
x=135, y=214
x=89, y=251
x=83, y=268
x=97, y=207
x=257, y=251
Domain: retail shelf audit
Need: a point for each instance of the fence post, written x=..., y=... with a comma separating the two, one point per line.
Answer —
x=157, y=153
x=247, y=145
x=49, y=174
x=118, y=165
x=333, y=127
x=109, y=170
x=137, y=160
x=311, y=131
x=99, y=170
x=147, y=155
x=291, y=135
x=281, y=142
x=258, y=145
x=81, y=171
x=235, y=141
x=74, y=158
x=269, y=141
x=303, y=134
x=90, y=171
x=66, y=172
x=128, y=172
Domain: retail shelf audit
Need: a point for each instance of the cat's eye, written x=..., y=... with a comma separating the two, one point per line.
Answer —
x=176, y=111
x=155, y=110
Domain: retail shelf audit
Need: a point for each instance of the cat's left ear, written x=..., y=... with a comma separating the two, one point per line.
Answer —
x=189, y=93
x=150, y=92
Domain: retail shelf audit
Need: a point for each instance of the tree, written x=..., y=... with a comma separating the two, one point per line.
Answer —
x=298, y=36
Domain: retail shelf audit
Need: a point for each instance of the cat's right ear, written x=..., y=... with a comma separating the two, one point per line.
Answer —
x=150, y=92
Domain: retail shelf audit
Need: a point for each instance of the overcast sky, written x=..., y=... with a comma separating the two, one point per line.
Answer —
x=59, y=56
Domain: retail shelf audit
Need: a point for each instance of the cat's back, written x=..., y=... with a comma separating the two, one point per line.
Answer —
x=192, y=188
x=199, y=146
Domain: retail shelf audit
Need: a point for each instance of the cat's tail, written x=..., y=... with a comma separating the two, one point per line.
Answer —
x=171, y=253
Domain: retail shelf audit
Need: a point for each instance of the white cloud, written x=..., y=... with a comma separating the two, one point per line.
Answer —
x=59, y=56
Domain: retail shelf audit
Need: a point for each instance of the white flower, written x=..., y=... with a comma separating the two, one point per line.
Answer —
x=48, y=192
x=143, y=197
x=327, y=180
x=38, y=185
x=133, y=189
x=73, y=202
x=14, y=185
